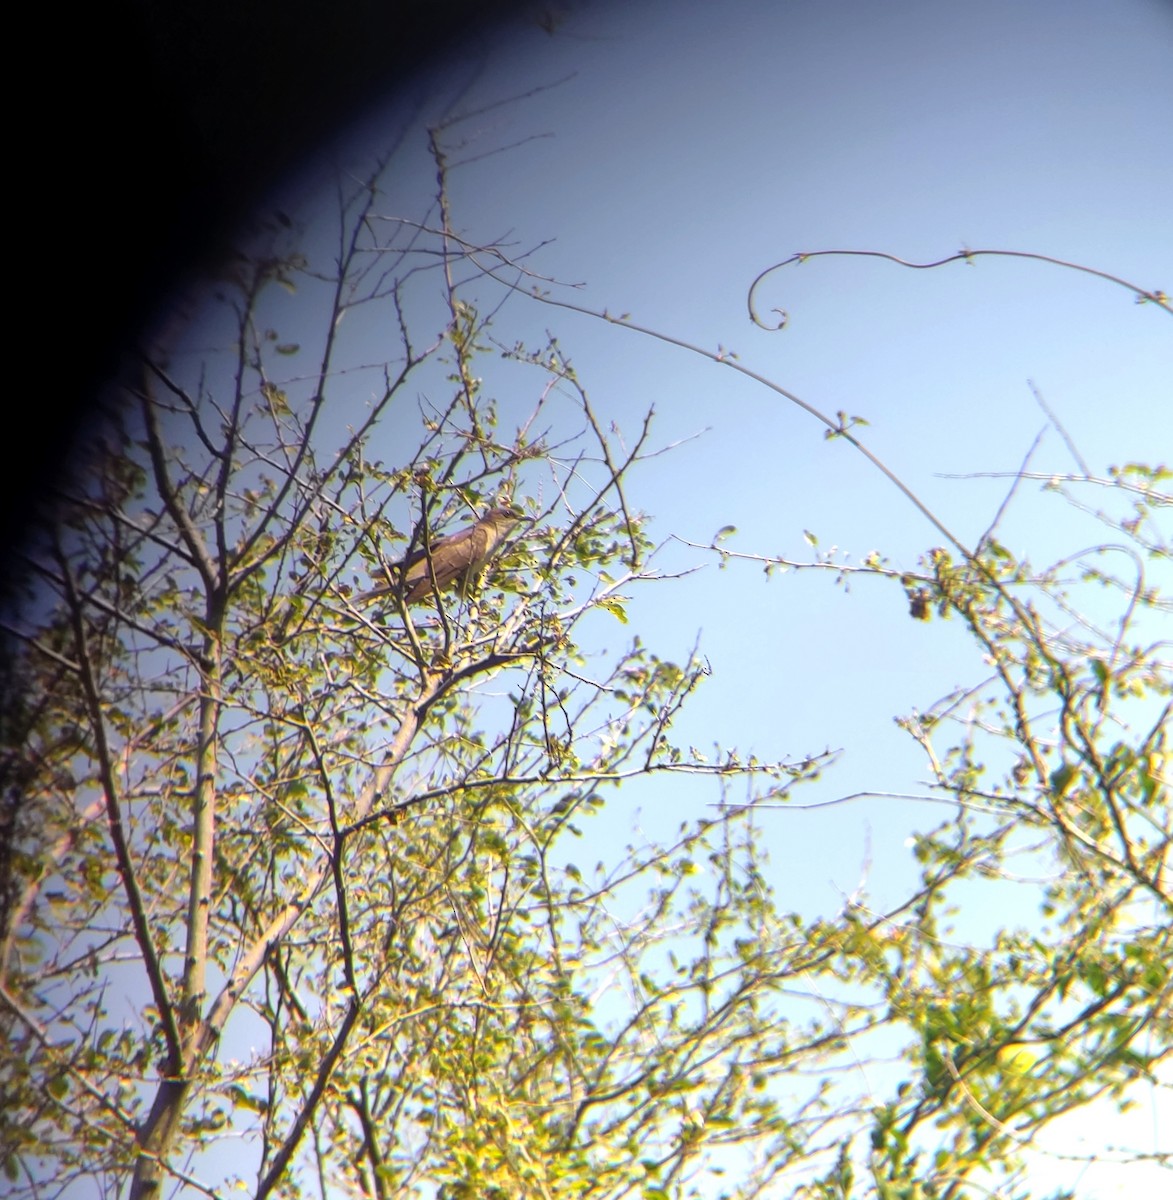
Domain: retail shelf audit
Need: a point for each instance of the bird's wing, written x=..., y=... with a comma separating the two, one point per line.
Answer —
x=454, y=559
x=413, y=570
x=443, y=563
x=436, y=544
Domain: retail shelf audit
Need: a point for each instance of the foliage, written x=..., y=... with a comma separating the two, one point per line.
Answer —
x=306, y=886
x=1056, y=762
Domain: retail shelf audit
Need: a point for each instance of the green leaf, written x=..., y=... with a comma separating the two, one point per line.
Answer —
x=614, y=607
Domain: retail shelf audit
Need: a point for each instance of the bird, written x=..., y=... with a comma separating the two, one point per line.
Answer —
x=453, y=561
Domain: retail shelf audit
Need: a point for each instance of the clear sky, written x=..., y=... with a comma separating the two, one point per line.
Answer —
x=696, y=144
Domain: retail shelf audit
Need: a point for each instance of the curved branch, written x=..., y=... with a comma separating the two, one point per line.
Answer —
x=1142, y=295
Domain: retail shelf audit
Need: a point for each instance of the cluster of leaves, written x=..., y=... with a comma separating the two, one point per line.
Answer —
x=1056, y=766
x=1059, y=762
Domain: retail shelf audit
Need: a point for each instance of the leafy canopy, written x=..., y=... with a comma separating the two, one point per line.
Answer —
x=314, y=896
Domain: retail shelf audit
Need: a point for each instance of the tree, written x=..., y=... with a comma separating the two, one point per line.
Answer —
x=302, y=873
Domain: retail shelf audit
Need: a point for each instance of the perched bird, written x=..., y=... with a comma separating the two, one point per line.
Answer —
x=453, y=561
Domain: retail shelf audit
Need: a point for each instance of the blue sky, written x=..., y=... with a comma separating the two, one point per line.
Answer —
x=695, y=144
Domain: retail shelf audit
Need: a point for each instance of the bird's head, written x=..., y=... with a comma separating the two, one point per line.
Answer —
x=504, y=516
